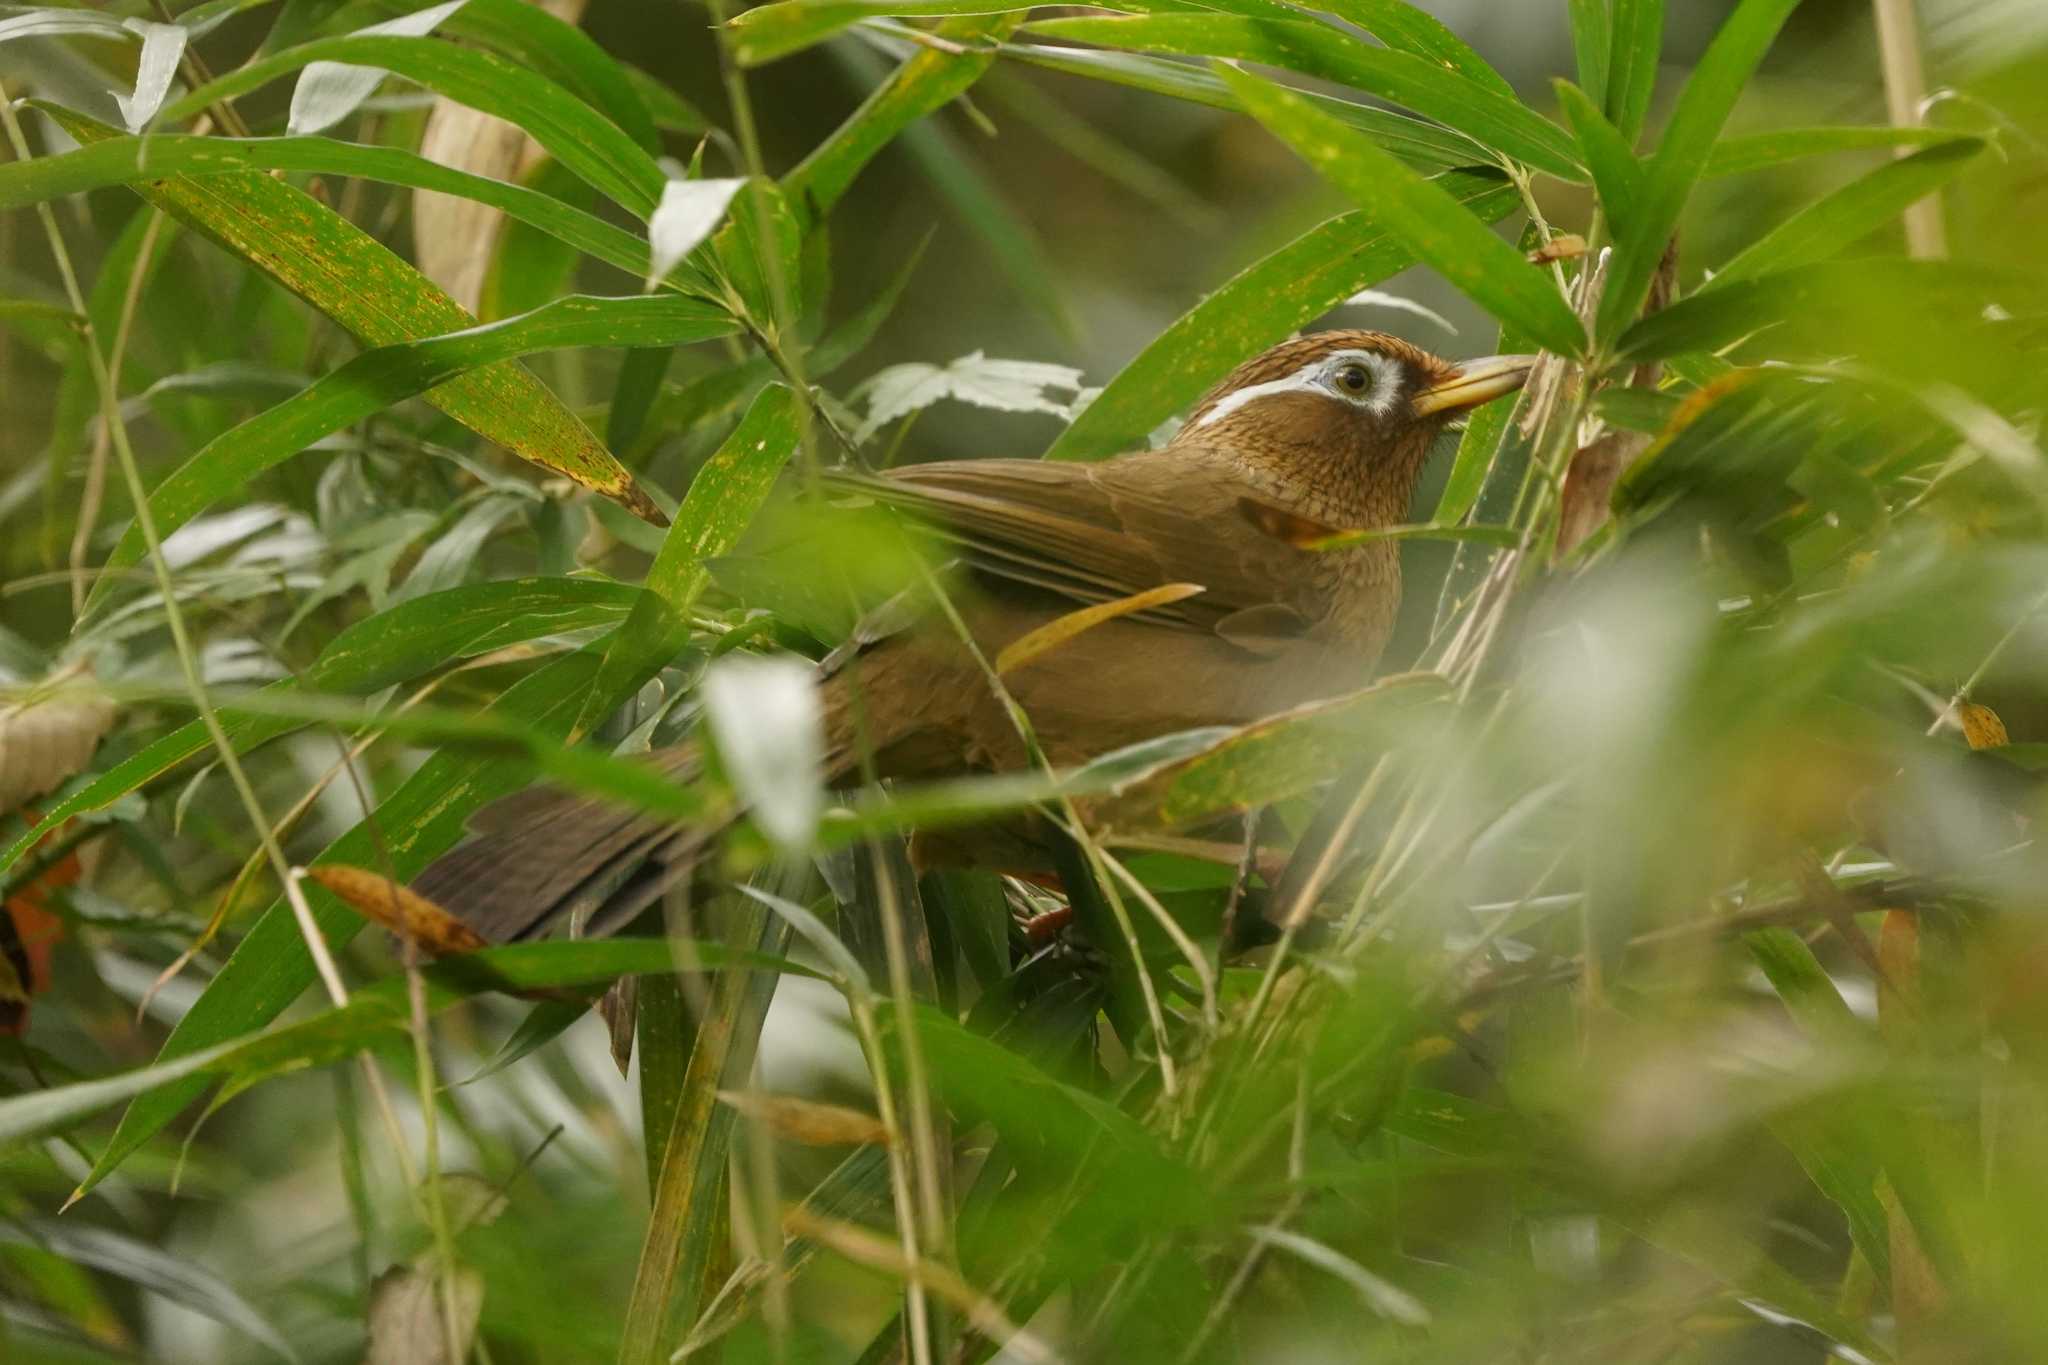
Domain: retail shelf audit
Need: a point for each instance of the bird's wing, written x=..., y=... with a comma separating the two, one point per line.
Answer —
x=1099, y=532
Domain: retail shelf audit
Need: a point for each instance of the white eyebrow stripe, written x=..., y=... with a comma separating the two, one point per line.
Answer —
x=1386, y=373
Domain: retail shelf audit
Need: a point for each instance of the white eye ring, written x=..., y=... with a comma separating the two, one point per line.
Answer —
x=1365, y=379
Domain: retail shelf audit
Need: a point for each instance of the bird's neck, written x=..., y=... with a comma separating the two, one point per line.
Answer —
x=1342, y=487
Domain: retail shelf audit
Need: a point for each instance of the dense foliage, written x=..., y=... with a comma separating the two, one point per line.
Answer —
x=1654, y=972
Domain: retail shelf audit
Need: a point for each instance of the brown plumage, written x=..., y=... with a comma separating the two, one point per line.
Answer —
x=1324, y=433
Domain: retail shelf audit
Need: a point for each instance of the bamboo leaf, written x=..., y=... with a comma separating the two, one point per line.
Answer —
x=1617, y=175
x=1592, y=45
x=1411, y=139
x=1846, y=217
x=582, y=139
x=1421, y=214
x=1762, y=151
x=932, y=77
x=1636, y=44
x=1410, y=28
x=132, y=160
x=1696, y=122
x=1494, y=120
x=1260, y=306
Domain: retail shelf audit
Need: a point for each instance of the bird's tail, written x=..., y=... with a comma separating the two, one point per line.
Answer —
x=545, y=856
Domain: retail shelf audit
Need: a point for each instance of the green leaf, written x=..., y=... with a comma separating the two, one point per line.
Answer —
x=1412, y=139
x=376, y=1014
x=767, y=33
x=727, y=491
x=579, y=137
x=1709, y=320
x=931, y=78
x=687, y=1220
x=378, y=298
x=1696, y=122
x=1264, y=304
x=401, y=642
x=1617, y=175
x=1477, y=449
x=1423, y=215
x=560, y=51
x=1636, y=44
x=1266, y=761
x=126, y=160
x=1409, y=28
x=1494, y=120
x=377, y=379
x=1846, y=217
x=1761, y=151
x=1592, y=45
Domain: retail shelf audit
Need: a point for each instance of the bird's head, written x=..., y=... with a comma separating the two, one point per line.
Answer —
x=1345, y=405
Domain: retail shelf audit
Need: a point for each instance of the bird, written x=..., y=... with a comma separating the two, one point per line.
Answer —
x=1321, y=434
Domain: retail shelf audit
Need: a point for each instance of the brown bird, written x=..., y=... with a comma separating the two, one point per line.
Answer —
x=1318, y=435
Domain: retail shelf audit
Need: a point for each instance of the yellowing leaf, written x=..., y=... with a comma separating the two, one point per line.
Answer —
x=1055, y=633
x=44, y=740
x=807, y=1121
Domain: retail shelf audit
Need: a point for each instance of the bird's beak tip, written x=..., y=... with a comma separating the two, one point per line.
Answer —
x=1474, y=382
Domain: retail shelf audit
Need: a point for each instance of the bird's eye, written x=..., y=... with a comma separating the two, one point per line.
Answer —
x=1354, y=379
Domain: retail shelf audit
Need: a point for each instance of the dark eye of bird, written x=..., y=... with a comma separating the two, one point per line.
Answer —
x=1354, y=378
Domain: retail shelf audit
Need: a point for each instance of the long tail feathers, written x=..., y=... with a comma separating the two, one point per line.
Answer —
x=544, y=856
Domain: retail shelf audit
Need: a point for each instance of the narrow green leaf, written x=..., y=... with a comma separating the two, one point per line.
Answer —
x=1411, y=139
x=1423, y=215
x=1264, y=304
x=1480, y=445
x=690, y=1207
x=929, y=79
x=1592, y=45
x=1702, y=108
x=1494, y=120
x=1409, y=28
x=1714, y=318
x=1617, y=175
x=1636, y=45
x=126, y=160
x=558, y=50
x=376, y=379
x=576, y=135
x=767, y=33
x=1762, y=151
x=725, y=494
x=1846, y=217
x=1267, y=761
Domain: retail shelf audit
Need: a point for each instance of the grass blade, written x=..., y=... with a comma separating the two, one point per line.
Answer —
x=1494, y=120
x=1433, y=224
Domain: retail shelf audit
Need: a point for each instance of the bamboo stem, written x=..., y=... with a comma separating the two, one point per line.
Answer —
x=1905, y=89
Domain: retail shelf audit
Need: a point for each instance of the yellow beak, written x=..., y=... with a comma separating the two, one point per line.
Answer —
x=1475, y=382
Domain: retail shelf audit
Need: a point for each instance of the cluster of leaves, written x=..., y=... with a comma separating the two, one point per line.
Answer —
x=1575, y=1042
